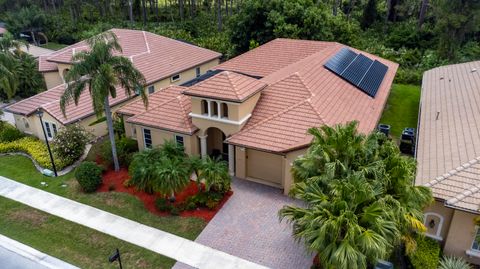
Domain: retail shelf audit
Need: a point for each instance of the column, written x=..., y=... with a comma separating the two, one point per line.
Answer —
x=210, y=108
x=203, y=145
x=231, y=160
x=218, y=109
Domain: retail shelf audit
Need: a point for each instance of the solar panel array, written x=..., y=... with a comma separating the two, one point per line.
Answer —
x=363, y=72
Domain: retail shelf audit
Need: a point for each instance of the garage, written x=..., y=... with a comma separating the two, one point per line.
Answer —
x=263, y=166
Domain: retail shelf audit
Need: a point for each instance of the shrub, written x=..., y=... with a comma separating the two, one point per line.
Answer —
x=70, y=142
x=35, y=148
x=126, y=147
x=163, y=205
x=453, y=263
x=9, y=133
x=174, y=211
x=89, y=176
x=427, y=254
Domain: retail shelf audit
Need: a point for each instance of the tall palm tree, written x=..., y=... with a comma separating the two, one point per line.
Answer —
x=99, y=71
x=361, y=203
x=215, y=174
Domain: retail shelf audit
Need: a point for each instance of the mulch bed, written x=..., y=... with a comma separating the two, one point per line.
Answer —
x=114, y=181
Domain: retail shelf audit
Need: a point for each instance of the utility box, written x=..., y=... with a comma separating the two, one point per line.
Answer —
x=384, y=128
x=47, y=172
x=383, y=265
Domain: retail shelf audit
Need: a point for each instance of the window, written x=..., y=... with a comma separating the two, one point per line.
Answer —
x=476, y=241
x=179, y=140
x=151, y=89
x=204, y=107
x=197, y=72
x=224, y=110
x=50, y=129
x=175, y=77
x=25, y=123
x=215, y=109
x=134, y=130
x=147, y=138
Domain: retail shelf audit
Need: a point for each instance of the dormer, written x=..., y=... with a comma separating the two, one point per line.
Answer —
x=225, y=100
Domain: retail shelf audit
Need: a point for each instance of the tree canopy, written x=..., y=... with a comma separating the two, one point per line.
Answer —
x=360, y=197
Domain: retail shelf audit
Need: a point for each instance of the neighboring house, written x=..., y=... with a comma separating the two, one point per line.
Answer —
x=448, y=156
x=2, y=31
x=163, y=61
x=254, y=110
x=36, y=51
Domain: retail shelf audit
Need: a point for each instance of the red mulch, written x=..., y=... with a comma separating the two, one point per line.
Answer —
x=114, y=181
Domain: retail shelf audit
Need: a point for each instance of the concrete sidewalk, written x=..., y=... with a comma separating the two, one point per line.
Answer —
x=175, y=247
x=15, y=255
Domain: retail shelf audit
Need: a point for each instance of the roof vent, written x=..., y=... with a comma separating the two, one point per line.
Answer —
x=473, y=70
x=441, y=78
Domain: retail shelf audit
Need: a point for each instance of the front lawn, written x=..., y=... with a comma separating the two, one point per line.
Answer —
x=71, y=242
x=54, y=46
x=21, y=169
x=402, y=108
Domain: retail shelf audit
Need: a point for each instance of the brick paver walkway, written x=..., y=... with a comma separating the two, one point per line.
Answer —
x=248, y=227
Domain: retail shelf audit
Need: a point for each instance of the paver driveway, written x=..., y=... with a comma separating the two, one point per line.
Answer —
x=248, y=227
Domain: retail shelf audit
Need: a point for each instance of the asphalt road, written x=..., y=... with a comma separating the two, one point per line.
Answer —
x=12, y=260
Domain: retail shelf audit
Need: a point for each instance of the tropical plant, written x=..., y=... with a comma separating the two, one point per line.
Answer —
x=89, y=176
x=172, y=150
x=143, y=169
x=453, y=263
x=70, y=142
x=27, y=19
x=99, y=72
x=426, y=254
x=9, y=67
x=126, y=147
x=215, y=174
x=195, y=164
x=359, y=195
x=172, y=175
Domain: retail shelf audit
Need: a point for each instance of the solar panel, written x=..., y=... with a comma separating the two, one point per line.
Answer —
x=361, y=71
x=341, y=60
x=373, y=78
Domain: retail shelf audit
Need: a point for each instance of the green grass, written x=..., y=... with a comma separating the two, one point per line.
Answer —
x=54, y=46
x=73, y=243
x=402, y=108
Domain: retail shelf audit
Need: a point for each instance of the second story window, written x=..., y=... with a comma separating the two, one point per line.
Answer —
x=224, y=110
x=204, y=107
x=175, y=78
x=147, y=138
x=197, y=72
x=214, y=108
x=151, y=89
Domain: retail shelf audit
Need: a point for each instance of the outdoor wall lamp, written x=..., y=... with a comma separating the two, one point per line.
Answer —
x=431, y=224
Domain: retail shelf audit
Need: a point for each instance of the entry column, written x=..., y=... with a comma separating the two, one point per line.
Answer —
x=231, y=160
x=203, y=145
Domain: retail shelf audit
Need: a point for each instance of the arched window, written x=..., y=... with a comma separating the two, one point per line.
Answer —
x=215, y=109
x=204, y=107
x=224, y=110
x=25, y=123
x=434, y=224
x=65, y=72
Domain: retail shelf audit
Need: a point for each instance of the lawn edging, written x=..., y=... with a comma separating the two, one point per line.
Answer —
x=62, y=172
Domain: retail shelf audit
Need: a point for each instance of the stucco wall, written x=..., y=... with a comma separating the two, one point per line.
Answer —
x=227, y=128
x=289, y=158
x=159, y=136
x=460, y=236
x=446, y=214
x=52, y=79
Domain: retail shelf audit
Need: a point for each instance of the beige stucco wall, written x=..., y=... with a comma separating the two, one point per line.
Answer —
x=240, y=162
x=289, y=158
x=227, y=128
x=52, y=79
x=446, y=214
x=159, y=136
x=460, y=236
x=34, y=126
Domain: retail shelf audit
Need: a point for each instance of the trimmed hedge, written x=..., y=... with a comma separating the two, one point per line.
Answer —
x=427, y=254
x=35, y=148
x=89, y=176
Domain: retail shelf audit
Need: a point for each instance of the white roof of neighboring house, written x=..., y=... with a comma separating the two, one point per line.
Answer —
x=36, y=51
x=448, y=150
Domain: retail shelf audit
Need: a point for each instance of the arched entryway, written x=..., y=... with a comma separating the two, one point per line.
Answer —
x=216, y=146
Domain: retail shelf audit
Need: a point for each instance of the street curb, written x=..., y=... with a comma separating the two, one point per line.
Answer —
x=33, y=254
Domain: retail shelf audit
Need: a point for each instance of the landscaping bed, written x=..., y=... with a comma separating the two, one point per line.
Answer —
x=115, y=182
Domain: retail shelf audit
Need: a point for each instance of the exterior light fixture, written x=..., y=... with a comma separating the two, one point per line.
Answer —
x=431, y=224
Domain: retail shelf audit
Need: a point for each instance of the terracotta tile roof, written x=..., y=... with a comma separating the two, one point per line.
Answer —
x=157, y=57
x=331, y=98
x=168, y=109
x=2, y=30
x=227, y=86
x=273, y=56
x=50, y=102
x=449, y=134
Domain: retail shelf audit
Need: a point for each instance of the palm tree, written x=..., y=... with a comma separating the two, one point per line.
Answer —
x=99, y=72
x=215, y=174
x=172, y=175
x=195, y=164
x=361, y=203
x=9, y=67
x=143, y=169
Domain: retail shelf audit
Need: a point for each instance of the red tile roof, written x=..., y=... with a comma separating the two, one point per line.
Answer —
x=273, y=56
x=2, y=30
x=228, y=86
x=50, y=102
x=157, y=57
x=168, y=109
x=331, y=99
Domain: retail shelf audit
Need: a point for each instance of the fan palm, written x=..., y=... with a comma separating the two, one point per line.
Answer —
x=195, y=164
x=143, y=169
x=172, y=175
x=9, y=67
x=360, y=199
x=99, y=71
x=215, y=174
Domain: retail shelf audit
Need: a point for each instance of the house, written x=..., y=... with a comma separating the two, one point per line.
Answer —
x=254, y=110
x=162, y=61
x=448, y=156
x=3, y=29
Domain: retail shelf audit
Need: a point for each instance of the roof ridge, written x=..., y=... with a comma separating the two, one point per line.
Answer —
x=36, y=95
x=160, y=104
x=453, y=172
x=234, y=86
x=185, y=112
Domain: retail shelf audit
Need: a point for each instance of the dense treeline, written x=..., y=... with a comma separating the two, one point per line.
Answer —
x=418, y=34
